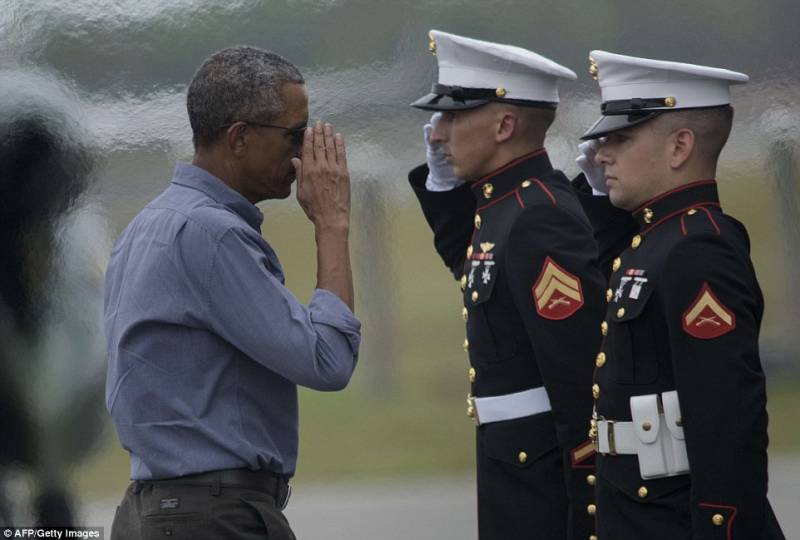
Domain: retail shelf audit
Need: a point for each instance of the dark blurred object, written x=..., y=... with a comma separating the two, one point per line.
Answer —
x=44, y=169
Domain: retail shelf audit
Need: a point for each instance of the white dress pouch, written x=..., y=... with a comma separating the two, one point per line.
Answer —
x=677, y=459
x=647, y=427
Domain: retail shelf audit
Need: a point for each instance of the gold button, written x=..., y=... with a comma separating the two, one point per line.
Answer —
x=522, y=457
x=500, y=92
x=617, y=264
x=604, y=328
x=591, y=509
x=471, y=411
x=636, y=242
x=670, y=101
x=465, y=314
x=526, y=184
x=466, y=344
x=609, y=292
x=717, y=519
x=648, y=215
x=463, y=282
x=679, y=421
x=472, y=374
x=596, y=391
x=474, y=296
x=591, y=479
x=477, y=221
x=601, y=359
x=488, y=189
x=647, y=426
x=470, y=250
x=620, y=312
x=593, y=537
x=642, y=492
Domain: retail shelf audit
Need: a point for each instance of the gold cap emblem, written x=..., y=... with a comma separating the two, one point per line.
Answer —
x=670, y=101
x=593, y=69
x=500, y=92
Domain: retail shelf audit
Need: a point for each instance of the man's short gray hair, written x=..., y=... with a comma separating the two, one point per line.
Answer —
x=238, y=83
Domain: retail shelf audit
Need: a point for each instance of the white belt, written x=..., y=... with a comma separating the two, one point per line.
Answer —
x=655, y=437
x=510, y=406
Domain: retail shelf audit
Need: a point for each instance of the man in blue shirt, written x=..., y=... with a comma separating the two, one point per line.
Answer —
x=206, y=346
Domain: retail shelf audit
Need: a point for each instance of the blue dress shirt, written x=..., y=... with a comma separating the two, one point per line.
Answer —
x=205, y=343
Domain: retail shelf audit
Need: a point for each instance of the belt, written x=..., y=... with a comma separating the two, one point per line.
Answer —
x=485, y=410
x=267, y=482
x=616, y=438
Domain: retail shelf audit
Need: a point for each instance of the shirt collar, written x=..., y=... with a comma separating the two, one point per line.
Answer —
x=507, y=178
x=676, y=201
x=194, y=177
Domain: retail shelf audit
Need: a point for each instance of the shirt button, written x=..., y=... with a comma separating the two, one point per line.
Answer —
x=466, y=344
x=620, y=312
x=718, y=520
x=591, y=479
x=463, y=282
x=488, y=189
x=477, y=221
x=609, y=292
x=636, y=242
x=648, y=215
x=617, y=263
x=465, y=314
x=522, y=457
x=603, y=328
x=526, y=184
x=472, y=374
x=642, y=492
x=474, y=296
x=591, y=509
x=601, y=359
x=470, y=249
x=596, y=391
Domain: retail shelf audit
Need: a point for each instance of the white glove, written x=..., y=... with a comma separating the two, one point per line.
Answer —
x=594, y=172
x=441, y=176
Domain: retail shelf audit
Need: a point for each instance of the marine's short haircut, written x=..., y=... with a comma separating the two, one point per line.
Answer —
x=237, y=83
x=711, y=127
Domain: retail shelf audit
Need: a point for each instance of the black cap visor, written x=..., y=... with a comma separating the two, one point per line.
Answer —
x=610, y=123
x=441, y=102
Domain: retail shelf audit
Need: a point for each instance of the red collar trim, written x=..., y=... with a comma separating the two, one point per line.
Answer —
x=671, y=192
x=507, y=166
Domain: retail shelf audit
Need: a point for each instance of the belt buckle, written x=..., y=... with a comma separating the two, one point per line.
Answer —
x=612, y=446
x=472, y=409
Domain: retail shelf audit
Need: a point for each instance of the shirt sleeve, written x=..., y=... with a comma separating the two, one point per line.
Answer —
x=314, y=346
x=557, y=290
x=713, y=311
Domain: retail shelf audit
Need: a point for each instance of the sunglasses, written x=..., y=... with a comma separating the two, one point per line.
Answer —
x=296, y=133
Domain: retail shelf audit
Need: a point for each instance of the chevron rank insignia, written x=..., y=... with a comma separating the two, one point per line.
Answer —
x=707, y=317
x=557, y=293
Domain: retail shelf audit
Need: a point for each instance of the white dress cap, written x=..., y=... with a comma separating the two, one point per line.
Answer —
x=473, y=72
x=636, y=89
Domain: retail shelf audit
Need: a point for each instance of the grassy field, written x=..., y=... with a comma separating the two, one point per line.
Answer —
x=404, y=411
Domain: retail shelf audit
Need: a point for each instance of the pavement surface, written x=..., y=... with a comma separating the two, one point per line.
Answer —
x=434, y=509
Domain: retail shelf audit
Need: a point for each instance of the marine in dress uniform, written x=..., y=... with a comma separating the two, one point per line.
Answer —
x=522, y=250
x=679, y=417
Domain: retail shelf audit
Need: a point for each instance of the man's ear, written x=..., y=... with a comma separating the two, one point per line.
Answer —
x=682, y=145
x=506, y=127
x=236, y=138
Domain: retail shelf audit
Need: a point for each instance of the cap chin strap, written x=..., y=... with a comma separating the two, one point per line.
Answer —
x=458, y=93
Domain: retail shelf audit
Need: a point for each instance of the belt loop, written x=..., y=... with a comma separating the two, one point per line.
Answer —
x=216, y=488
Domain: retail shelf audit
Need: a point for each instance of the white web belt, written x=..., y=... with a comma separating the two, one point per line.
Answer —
x=510, y=406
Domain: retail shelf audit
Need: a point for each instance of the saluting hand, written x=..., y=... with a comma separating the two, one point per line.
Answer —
x=323, y=180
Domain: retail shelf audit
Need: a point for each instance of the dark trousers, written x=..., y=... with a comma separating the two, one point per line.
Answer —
x=238, y=505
